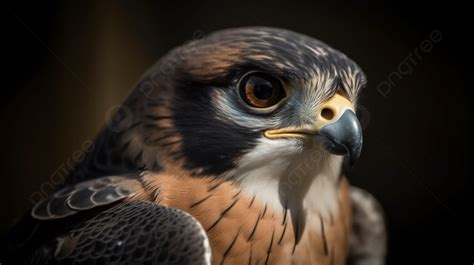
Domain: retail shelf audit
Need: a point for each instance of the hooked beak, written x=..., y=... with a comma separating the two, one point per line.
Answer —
x=336, y=128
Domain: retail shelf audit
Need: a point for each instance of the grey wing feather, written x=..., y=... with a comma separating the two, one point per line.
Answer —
x=368, y=240
x=83, y=196
x=136, y=232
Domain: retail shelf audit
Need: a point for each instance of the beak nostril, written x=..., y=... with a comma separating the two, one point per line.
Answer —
x=327, y=113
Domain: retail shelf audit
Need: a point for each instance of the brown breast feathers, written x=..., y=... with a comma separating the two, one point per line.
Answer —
x=244, y=230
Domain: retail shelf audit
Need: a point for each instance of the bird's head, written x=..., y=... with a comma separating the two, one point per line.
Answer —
x=254, y=99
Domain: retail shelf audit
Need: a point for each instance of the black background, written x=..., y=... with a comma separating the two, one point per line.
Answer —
x=66, y=65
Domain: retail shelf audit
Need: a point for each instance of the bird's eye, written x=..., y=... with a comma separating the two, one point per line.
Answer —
x=261, y=90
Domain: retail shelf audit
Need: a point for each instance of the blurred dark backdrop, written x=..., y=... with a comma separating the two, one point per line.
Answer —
x=69, y=63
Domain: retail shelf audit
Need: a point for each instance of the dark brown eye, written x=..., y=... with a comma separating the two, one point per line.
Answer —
x=261, y=90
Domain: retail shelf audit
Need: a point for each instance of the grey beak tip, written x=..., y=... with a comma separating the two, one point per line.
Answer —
x=343, y=137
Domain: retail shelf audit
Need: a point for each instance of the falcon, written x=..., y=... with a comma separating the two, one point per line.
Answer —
x=232, y=149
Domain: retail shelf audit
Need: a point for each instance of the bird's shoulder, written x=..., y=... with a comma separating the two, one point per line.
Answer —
x=108, y=218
